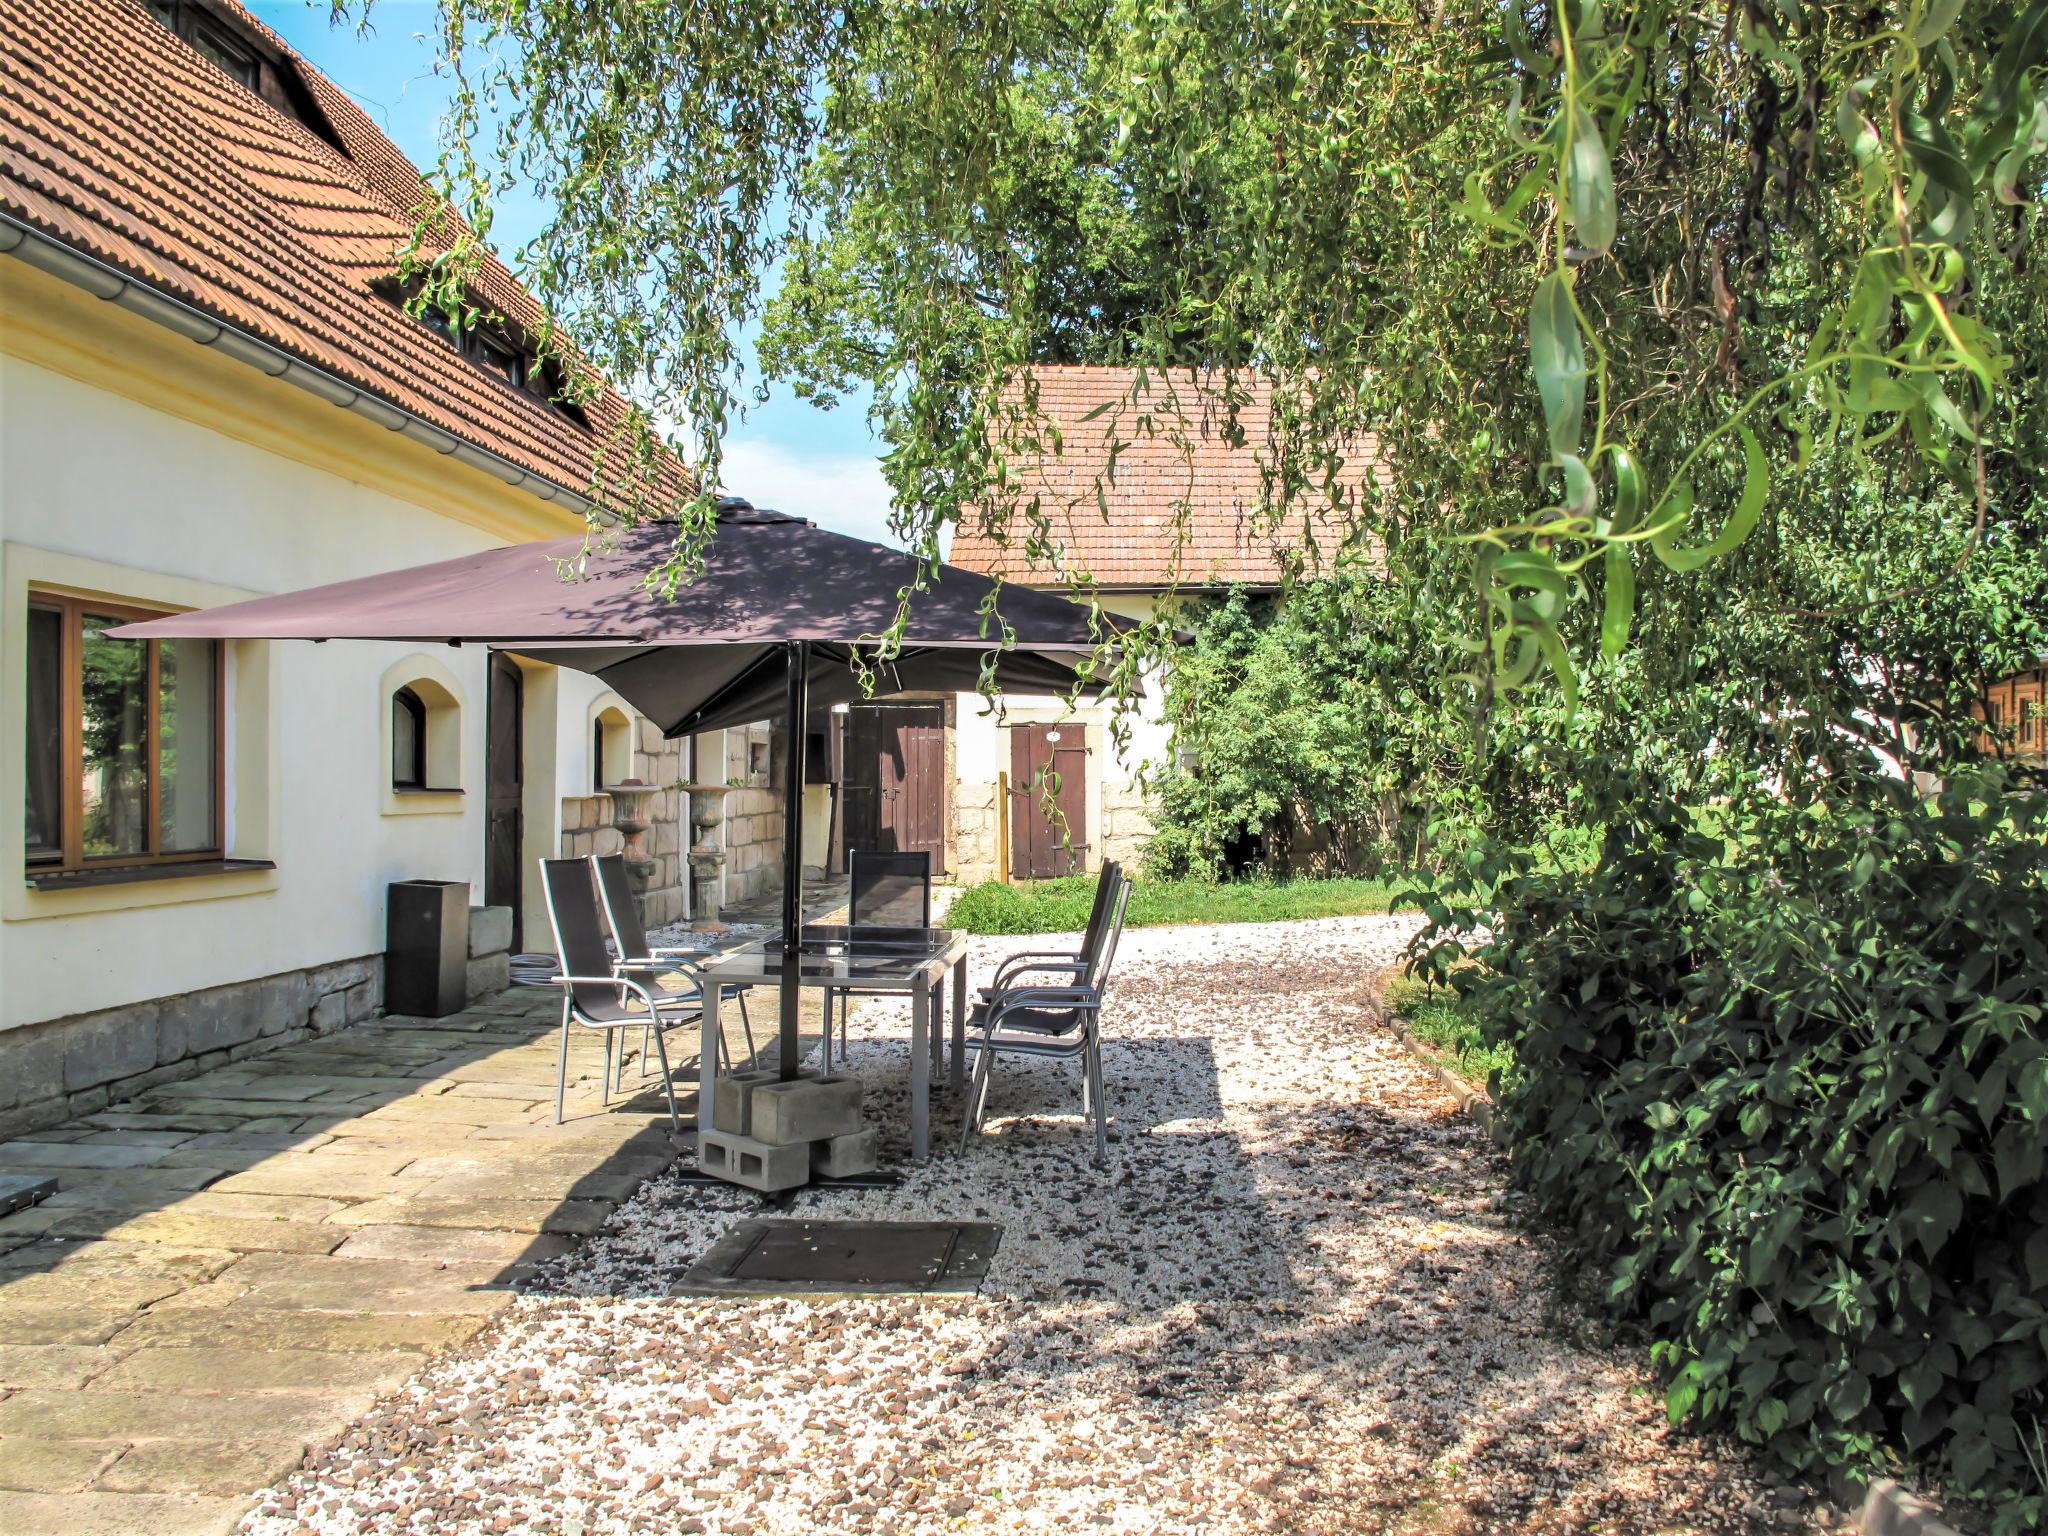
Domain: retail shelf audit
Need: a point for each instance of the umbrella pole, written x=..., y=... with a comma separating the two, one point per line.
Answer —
x=798, y=659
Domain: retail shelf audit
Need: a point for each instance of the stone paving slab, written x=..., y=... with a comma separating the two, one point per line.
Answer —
x=238, y=1234
x=50, y=1365
x=57, y=1323
x=252, y=1368
x=118, y=1514
x=25, y=1155
x=298, y=1282
x=113, y=1414
x=277, y=1328
x=578, y=1217
x=235, y=1264
x=54, y=1466
x=226, y=1467
x=454, y=1245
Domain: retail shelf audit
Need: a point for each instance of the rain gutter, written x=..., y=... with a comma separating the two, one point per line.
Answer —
x=104, y=281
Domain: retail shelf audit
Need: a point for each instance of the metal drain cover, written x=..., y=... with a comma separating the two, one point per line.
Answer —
x=769, y=1257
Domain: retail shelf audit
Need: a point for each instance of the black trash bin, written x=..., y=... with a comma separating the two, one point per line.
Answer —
x=426, y=947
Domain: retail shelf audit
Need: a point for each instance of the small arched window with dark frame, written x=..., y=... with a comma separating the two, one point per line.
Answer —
x=408, y=740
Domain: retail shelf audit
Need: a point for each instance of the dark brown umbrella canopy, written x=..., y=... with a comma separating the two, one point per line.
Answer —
x=714, y=653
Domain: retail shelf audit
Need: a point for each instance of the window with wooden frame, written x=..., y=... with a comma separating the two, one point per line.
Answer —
x=125, y=740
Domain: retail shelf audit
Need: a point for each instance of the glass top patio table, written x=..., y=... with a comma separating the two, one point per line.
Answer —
x=837, y=955
x=913, y=961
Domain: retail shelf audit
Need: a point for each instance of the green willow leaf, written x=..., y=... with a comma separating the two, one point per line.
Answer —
x=1581, y=495
x=1856, y=129
x=1589, y=185
x=2025, y=46
x=1619, y=611
x=1756, y=481
x=1951, y=190
x=1938, y=18
x=1628, y=493
x=1557, y=352
x=1561, y=668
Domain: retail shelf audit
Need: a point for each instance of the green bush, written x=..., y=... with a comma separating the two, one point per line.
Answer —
x=1062, y=906
x=1327, y=733
x=1784, y=1087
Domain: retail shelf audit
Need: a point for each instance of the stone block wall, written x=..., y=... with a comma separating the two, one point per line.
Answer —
x=753, y=812
x=587, y=826
x=977, y=817
x=53, y=1071
x=1127, y=823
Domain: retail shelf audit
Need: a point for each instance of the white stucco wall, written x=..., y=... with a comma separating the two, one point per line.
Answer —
x=103, y=493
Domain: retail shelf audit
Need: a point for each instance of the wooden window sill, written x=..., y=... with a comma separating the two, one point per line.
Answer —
x=134, y=874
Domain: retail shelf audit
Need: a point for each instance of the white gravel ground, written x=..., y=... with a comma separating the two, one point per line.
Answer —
x=1296, y=1302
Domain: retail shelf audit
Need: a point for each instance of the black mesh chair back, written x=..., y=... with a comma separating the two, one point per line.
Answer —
x=614, y=886
x=891, y=890
x=1107, y=884
x=579, y=932
x=1104, y=954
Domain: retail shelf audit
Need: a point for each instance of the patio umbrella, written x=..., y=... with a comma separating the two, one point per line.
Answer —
x=774, y=620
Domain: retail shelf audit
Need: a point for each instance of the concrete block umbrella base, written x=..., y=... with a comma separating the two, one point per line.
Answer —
x=806, y=1110
x=754, y=1164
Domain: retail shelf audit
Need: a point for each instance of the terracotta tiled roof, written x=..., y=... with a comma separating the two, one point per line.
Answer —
x=123, y=142
x=1133, y=533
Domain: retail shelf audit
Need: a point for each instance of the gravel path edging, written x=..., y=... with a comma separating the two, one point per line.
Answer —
x=1471, y=1099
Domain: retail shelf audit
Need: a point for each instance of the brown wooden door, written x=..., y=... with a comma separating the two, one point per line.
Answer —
x=895, y=785
x=1047, y=842
x=504, y=782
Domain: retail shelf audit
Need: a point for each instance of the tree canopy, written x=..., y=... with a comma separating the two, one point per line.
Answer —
x=1614, y=284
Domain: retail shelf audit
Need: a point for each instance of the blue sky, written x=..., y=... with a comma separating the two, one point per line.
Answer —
x=787, y=454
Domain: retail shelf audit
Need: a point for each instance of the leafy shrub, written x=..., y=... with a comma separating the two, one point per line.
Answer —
x=1784, y=1086
x=1326, y=733
x=1062, y=906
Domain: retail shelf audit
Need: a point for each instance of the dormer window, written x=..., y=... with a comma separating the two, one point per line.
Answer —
x=496, y=356
x=496, y=349
x=224, y=40
x=210, y=39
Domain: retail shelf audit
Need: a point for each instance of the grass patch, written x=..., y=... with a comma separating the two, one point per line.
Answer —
x=1062, y=906
x=1444, y=1022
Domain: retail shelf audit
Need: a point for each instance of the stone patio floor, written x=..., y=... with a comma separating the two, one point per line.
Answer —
x=235, y=1265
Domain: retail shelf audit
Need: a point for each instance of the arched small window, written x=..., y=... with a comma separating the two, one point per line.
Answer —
x=408, y=740
x=611, y=748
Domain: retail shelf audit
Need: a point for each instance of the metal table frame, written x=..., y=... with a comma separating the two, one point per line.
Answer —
x=906, y=960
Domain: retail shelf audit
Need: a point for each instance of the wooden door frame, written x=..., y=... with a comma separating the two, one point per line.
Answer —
x=517, y=674
x=1027, y=825
x=860, y=779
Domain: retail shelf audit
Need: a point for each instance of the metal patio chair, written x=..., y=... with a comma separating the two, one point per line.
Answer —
x=884, y=890
x=1056, y=1021
x=593, y=995
x=1062, y=962
x=634, y=956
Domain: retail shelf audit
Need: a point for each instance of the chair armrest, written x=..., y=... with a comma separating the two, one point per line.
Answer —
x=624, y=984
x=1023, y=999
x=1025, y=959
x=1025, y=965
x=659, y=960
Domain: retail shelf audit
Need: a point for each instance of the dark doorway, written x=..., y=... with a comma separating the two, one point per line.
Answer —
x=1044, y=844
x=896, y=779
x=504, y=780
